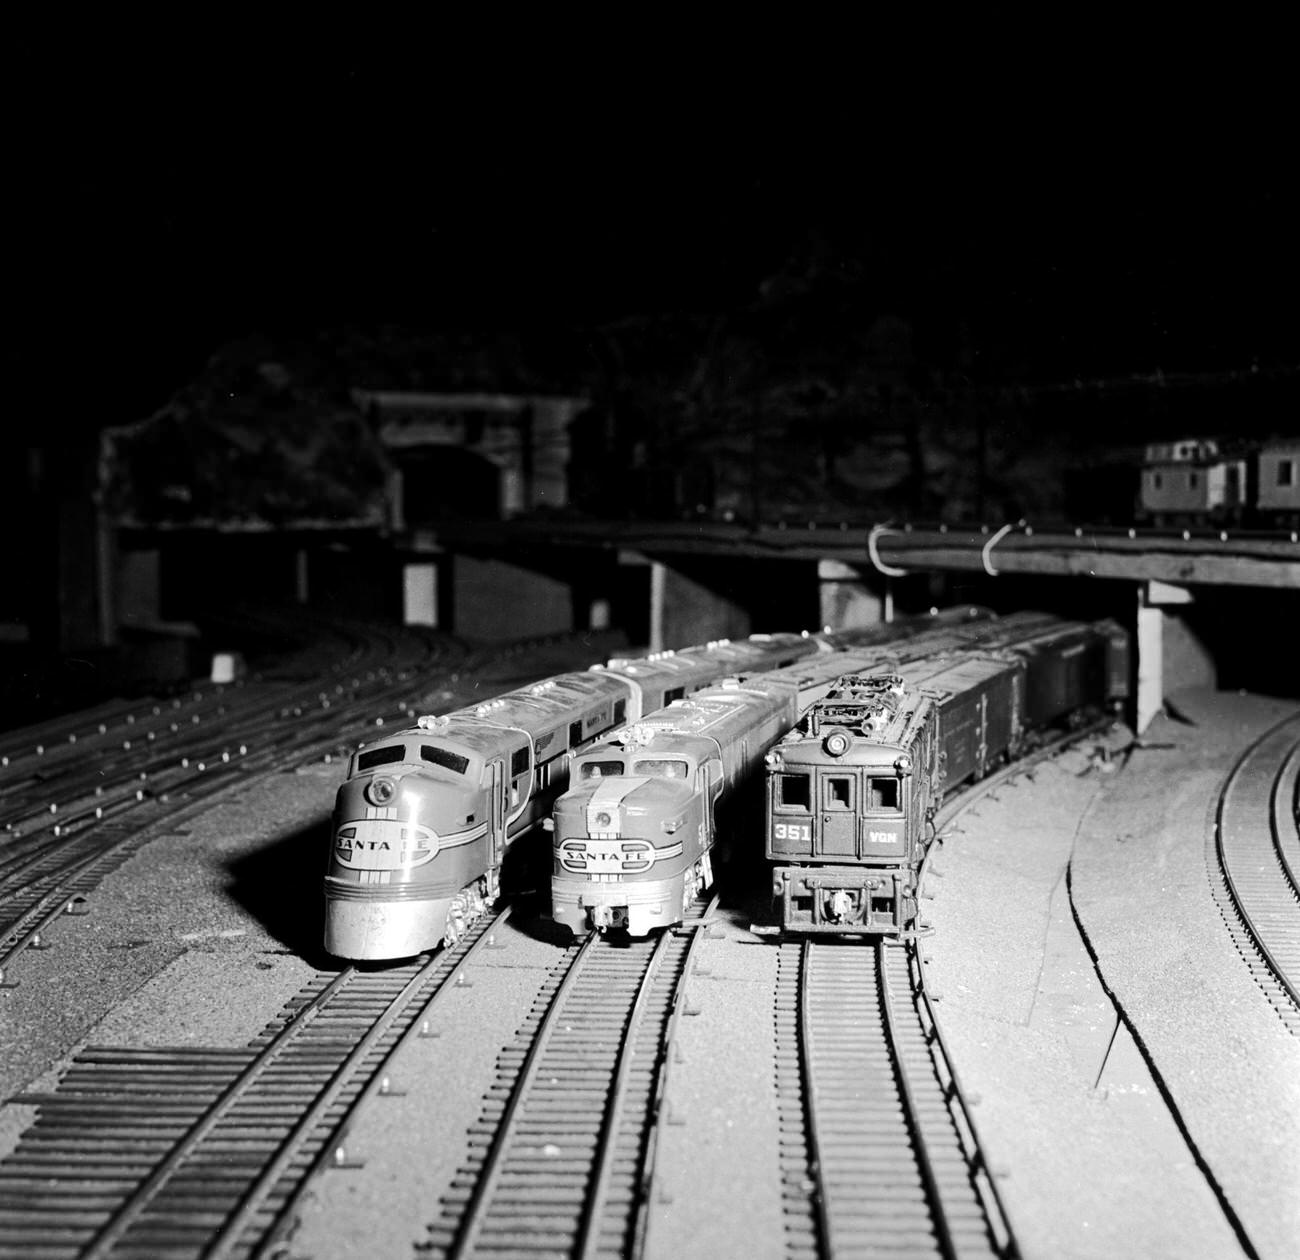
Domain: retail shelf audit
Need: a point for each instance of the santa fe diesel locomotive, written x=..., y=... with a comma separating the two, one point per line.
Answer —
x=634, y=836
x=424, y=818
x=852, y=791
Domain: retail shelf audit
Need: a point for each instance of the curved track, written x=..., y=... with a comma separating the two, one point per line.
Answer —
x=1254, y=857
x=898, y=1166
x=568, y=1131
x=76, y=810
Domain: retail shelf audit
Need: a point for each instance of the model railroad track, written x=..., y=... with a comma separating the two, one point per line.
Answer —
x=52, y=869
x=101, y=761
x=910, y=1178
x=878, y=1156
x=191, y=1151
x=84, y=837
x=35, y=759
x=1254, y=860
x=563, y=1154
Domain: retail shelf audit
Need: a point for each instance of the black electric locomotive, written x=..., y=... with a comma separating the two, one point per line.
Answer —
x=853, y=789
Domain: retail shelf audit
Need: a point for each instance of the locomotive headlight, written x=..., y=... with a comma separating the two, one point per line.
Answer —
x=837, y=743
x=903, y=764
x=603, y=819
x=381, y=790
x=773, y=761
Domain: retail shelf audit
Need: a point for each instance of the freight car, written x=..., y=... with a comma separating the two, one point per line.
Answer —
x=423, y=821
x=1277, y=482
x=1191, y=482
x=634, y=836
x=1195, y=482
x=853, y=789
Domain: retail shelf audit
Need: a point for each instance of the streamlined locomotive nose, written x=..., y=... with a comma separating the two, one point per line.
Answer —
x=400, y=852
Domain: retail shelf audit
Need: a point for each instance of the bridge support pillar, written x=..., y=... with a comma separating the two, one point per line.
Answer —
x=848, y=601
x=420, y=594
x=684, y=612
x=1170, y=655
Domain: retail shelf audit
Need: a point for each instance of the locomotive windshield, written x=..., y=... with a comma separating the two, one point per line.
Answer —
x=660, y=768
x=796, y=791
x=601, y=769
x=381, y=757
x=444, y=757
x=882, y=794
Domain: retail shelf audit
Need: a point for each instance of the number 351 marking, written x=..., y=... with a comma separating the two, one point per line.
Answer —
x=792, y=831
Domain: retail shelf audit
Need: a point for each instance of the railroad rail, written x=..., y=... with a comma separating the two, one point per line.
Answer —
x=564, y=1150
x=102, y=806
x=184, y=1151
x=881, y=1027
x=114, y=795
x=1253, y=854
x=883, y=1167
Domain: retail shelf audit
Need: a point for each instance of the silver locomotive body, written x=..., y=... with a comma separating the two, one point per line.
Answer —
x=424, y=820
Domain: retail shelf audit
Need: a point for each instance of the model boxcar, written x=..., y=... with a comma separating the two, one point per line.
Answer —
x=1278, y=492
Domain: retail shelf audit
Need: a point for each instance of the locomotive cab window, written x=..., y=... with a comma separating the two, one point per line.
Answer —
x=601, y=769
x=445, y=758
x=660, y=768
x=837, y=792
x=381, y=757
x=1286, y=472
x=794, y=791
x=882, y=794
x=519, y=762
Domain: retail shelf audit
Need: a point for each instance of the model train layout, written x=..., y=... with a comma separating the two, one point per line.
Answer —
x=425, y=817
x=634, y=837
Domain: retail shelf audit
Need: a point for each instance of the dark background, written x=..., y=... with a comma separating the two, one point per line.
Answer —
x=1035, y=220
x=977, y=240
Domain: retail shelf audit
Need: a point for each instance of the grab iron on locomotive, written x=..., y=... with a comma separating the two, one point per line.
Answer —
x=424, y=818
x=634, y=836
x=852, y=791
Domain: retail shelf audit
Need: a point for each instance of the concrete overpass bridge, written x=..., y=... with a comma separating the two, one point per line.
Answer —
x=689, y=581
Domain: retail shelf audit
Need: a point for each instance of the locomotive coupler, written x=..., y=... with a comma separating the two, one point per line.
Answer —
x=840, y=905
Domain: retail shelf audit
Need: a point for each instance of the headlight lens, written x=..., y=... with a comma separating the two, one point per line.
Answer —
x=381, y=790
x=836, y=743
